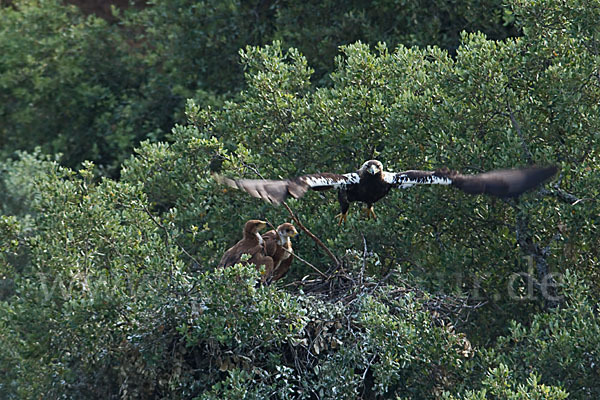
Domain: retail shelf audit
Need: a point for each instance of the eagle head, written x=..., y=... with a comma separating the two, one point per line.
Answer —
x=254, y=225
x=287, y=230
x=371, y=167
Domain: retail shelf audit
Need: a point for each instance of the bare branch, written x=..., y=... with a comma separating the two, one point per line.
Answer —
x=364, y=264
x=168, y=239
x=313, y=237
x=563, y=196
x=517, y=127
x=298, y=257
x=307, y=263
x=539, y=255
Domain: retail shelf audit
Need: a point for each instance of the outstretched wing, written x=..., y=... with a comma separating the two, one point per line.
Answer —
x=504, y=182
x=410, y=178
x=276, y=191
x=500, y=183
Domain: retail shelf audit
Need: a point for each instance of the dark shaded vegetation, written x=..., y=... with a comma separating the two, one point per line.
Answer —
x=108, y=287
x=104, y=9
x=91, y=84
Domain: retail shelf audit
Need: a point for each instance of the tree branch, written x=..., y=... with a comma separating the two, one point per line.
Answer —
x=168, y=239
x=563, y=196
x=309, y=233
x=298, y=257
x=547, y=284
x=517, y=127
x=364, y=263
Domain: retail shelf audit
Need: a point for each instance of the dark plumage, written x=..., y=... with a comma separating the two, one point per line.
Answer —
x=253, y=245
x=279, y=247
x=371, y=183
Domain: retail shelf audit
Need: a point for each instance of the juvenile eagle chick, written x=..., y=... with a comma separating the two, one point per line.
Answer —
x=279, y=246
x=253, y=245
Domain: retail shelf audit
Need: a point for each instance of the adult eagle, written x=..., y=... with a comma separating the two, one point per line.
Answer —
x=252, y=244
x=371, y=183
x=279, y=247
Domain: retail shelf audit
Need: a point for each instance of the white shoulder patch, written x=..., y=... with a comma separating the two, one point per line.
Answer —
x=316, y=181
x=389, y=177
x=440, y=180
x=320, y=181
x=352, y=178
x=404, y=181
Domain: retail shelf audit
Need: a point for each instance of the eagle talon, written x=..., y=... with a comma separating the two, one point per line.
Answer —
x=341, y=218
x=369, y=213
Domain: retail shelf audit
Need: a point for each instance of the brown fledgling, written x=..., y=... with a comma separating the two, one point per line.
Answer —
x=252, y=244
x=279, y=246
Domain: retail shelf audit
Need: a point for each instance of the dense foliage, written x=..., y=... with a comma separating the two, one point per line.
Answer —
x=92, y=90
x=108, y=288
x=64, y=81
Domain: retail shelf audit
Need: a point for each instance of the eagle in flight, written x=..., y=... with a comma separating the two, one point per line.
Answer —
x=371, y=183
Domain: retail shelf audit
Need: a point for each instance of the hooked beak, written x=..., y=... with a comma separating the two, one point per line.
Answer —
x=372, y=169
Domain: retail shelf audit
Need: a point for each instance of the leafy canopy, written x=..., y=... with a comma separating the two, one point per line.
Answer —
x=109, y=287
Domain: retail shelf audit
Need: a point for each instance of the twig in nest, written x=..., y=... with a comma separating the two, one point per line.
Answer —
x=364, y=264
x=307, y=263
x=298, y=257
x=309, y=233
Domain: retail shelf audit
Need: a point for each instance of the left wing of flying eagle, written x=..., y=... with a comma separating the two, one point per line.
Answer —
x=499, y=183
x=277, y=191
